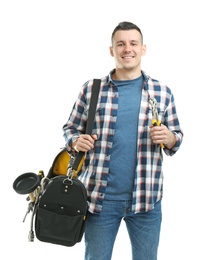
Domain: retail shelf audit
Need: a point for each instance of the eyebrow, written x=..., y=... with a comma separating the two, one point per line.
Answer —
x=135, y=41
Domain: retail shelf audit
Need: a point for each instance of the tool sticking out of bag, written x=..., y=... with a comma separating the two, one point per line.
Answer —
x=155, y=117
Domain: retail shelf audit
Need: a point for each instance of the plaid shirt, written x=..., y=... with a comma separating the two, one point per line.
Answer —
x=148, y=178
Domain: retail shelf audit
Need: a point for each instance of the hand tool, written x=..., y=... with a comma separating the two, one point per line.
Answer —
x=155, y=117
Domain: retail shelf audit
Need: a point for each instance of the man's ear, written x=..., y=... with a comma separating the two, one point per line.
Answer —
x=111, y=51
x=143, y=50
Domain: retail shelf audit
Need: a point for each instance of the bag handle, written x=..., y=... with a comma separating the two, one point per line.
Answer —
x=89, y=127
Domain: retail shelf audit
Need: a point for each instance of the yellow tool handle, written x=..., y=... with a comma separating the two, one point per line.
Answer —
x=157, y=123
x=162, y=145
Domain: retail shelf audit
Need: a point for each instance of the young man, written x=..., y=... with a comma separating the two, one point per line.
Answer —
x=123, y=165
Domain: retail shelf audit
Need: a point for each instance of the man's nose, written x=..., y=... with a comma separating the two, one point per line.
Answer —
x=127, y=48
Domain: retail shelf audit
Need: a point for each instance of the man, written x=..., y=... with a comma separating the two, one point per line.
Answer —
x=123, y=164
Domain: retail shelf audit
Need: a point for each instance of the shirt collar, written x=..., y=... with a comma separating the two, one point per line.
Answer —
x=145, y=78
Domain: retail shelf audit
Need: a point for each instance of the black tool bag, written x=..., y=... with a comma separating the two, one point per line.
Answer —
x=61, y=212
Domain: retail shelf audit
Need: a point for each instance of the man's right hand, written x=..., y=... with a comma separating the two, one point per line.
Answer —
x=84, y=143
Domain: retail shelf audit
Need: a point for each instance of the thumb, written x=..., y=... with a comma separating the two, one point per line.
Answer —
x=94, y=137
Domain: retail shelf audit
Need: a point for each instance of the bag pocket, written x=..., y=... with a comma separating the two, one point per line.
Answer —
x=59, y=229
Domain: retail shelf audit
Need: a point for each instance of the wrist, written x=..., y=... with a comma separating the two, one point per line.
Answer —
x=172, y=141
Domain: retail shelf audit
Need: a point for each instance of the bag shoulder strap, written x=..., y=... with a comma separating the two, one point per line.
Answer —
x=93, y=105
x=89, y=127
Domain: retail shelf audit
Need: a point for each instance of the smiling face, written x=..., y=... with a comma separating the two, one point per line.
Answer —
x=127, y=49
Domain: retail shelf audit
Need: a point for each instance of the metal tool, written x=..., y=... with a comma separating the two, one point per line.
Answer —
x=30, y=208
x=155, y=117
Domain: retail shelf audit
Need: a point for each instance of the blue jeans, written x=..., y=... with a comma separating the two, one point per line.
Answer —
x=143, y=229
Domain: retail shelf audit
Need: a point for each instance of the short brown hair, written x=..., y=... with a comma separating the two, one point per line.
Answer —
x=125, y=26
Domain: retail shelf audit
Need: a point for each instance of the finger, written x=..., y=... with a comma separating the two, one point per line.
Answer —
x=94, y=137
x=85, y=143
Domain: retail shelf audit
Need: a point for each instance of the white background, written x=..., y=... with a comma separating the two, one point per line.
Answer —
x=48, y=49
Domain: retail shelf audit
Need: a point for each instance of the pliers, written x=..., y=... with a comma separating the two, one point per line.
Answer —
x=155, y=117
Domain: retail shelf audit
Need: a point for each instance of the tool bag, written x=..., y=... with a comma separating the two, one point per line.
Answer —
x=59, y=201
x=61, y=212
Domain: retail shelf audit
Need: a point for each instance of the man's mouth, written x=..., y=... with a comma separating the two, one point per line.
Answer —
x=128, y=57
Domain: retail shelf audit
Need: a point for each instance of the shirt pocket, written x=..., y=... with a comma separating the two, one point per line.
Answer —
x=100, y=115
x=99, y=120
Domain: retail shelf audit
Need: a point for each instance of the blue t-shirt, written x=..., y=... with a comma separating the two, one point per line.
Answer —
x=123, y=155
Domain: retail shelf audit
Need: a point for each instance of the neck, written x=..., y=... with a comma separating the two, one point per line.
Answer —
x=125, y=75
